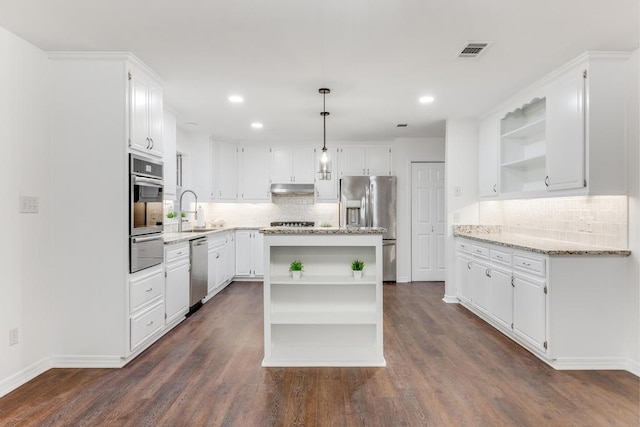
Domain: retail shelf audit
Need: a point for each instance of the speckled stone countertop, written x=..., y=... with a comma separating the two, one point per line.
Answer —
x=185, y=236
x=493, y=235
x=323, y=230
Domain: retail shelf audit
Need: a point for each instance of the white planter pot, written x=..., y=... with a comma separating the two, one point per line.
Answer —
x=296, y=274
x=357, y=274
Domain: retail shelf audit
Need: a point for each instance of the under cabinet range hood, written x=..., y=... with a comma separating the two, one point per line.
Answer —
x=298, y=189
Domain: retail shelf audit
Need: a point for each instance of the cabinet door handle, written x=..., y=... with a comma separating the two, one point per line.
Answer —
x=487, y=272
x=367, y=171
x=432, y=229
x=546, y=180
x=494, y=188
x=148, y=143
x=469, y=265
x=151, y=139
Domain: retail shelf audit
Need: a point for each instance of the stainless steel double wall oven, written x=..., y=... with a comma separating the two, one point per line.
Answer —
x=145, y=216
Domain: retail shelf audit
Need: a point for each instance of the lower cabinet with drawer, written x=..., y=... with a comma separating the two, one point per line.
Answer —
x=564, y=308
x=177, y=268
x=146, y=305
x=511, y=297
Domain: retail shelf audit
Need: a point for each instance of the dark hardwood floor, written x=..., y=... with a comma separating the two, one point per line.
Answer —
x=445, y=368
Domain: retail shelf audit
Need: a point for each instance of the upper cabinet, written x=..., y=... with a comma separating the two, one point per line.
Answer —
x=365, y=160
x=255, y=175
x=145, y=113
x=565, y=135
x=523, y=148
x=169, y=155
x=225, y=162
x=292, y=165
x=488, y=156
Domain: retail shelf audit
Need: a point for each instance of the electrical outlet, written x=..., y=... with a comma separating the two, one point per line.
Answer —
x=588, y=225
x=28, y=204
x=13, y=336
x=456, y=217
x=457, y=191
x=582, y=224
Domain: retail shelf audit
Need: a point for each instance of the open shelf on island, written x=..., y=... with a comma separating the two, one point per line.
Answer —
x=326, y=317
x=306, y=279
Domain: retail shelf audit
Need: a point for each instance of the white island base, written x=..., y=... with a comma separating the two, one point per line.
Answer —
x=326, y=317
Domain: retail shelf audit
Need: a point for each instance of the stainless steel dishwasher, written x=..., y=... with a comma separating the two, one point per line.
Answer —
x=199, y=272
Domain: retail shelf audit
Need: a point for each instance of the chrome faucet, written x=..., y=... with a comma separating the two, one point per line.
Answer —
x=180, y=207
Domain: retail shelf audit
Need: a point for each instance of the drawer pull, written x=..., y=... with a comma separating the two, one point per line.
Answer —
x=149, y=290
x=478, y=251
x=150, y=323
x=498, y=256
x=526, y=264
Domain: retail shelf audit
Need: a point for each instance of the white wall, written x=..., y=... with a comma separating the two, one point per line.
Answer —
x=461, y=170
x=405, y=151
x=25, y=253
x=633, y=182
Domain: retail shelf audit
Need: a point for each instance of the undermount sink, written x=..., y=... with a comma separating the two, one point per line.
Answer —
x=200, y=230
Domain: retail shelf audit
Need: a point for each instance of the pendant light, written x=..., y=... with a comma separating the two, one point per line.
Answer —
x=324, y=170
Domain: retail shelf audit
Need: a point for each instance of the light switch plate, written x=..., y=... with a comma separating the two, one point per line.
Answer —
x=28, y=204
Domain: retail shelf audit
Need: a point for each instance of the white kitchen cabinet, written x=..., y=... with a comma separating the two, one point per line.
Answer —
x=230, y=256
x=529, y=310
x=169, y=131
x=216, y=264
x=523, y=148
x=225, y=171
x=488, y=156
x=507, y=288
x=146, y=301
x=501, y=296
x=292, y=165
x=563, y=134
x=249, y=253
x=481, y=288
x=326, y=317
x=255, y=166
x=464, y=277
x=365, y=160
x=177, y=268
x=145, y=113
x=327, y=189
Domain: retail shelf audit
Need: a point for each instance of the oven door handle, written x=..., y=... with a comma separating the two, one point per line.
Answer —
x=146, y=239
x=149, y=181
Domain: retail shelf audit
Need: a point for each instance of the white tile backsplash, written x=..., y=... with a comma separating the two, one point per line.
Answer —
x=562, y=218
x=282, y=208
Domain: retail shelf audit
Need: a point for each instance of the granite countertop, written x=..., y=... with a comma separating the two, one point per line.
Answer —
x=185, y=236
x=493, y=235
x=323, y=230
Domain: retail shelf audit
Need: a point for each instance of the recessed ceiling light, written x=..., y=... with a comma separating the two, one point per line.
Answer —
x=194, y=124
x=426, y=99
x=257, y=125
x=236, y=99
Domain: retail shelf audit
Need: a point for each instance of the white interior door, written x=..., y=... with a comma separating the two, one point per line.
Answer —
x=427, y=222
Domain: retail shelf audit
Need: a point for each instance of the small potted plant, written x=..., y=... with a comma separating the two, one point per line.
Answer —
x=296, y=268
x=357, y=266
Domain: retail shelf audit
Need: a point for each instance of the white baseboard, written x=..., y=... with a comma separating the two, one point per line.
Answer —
x=588, y=363
x=24, y=376
x=450, y=299
x=402, y=279
x=70, y=361
x=633, y=366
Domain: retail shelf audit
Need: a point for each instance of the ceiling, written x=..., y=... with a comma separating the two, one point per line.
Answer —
x=377, y=56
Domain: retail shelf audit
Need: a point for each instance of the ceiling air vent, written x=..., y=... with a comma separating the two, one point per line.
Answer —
x=402, y=125
x=473, y=49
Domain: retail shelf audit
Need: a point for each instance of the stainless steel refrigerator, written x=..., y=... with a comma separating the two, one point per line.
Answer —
x=370, y=201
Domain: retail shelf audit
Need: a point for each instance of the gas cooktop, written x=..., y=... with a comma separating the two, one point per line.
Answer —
x=293, y=224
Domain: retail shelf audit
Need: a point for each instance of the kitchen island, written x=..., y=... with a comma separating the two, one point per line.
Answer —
x=326, y=317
